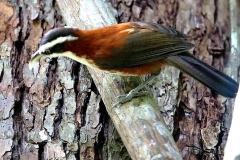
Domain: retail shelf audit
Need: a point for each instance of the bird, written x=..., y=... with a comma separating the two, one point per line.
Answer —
x=133, y=49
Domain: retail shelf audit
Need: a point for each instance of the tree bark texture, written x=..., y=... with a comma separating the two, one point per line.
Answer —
x=56, y=112
x=50, y=113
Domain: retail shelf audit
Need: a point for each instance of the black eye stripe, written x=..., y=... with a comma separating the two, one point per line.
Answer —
x=58, y=48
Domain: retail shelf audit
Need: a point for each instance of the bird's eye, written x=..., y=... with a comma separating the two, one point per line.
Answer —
x=47, y=51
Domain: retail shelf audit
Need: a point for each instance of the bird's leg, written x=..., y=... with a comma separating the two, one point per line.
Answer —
x=135, y=92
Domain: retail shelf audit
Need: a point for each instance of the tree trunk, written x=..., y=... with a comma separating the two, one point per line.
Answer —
x=56, y=112
x=47, y=113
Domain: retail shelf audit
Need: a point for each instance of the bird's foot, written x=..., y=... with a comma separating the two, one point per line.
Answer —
x=132, y=94
x=136, y=92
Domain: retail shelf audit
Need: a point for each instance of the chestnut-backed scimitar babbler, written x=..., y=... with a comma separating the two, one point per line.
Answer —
x=134, y=48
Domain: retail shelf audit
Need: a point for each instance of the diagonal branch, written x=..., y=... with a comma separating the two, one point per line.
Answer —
x=138, y=122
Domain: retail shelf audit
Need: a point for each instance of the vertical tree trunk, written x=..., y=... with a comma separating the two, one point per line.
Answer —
x=51, y=112
x=55, y=111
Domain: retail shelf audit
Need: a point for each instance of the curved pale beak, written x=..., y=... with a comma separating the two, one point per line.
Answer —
x=35, y=58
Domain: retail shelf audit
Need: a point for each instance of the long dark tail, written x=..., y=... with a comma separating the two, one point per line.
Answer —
x=205, y=73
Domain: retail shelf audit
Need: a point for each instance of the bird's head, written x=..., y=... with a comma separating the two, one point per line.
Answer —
x=53, y=44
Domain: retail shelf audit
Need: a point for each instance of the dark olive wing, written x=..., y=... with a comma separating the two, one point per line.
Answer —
x=160, y=28
x=145, y=44
x=147, y=47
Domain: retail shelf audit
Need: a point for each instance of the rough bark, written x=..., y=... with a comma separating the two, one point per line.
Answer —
x=47, y=113
x=55, y=112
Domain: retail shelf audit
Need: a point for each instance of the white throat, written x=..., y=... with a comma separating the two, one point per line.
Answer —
x=71, y=55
